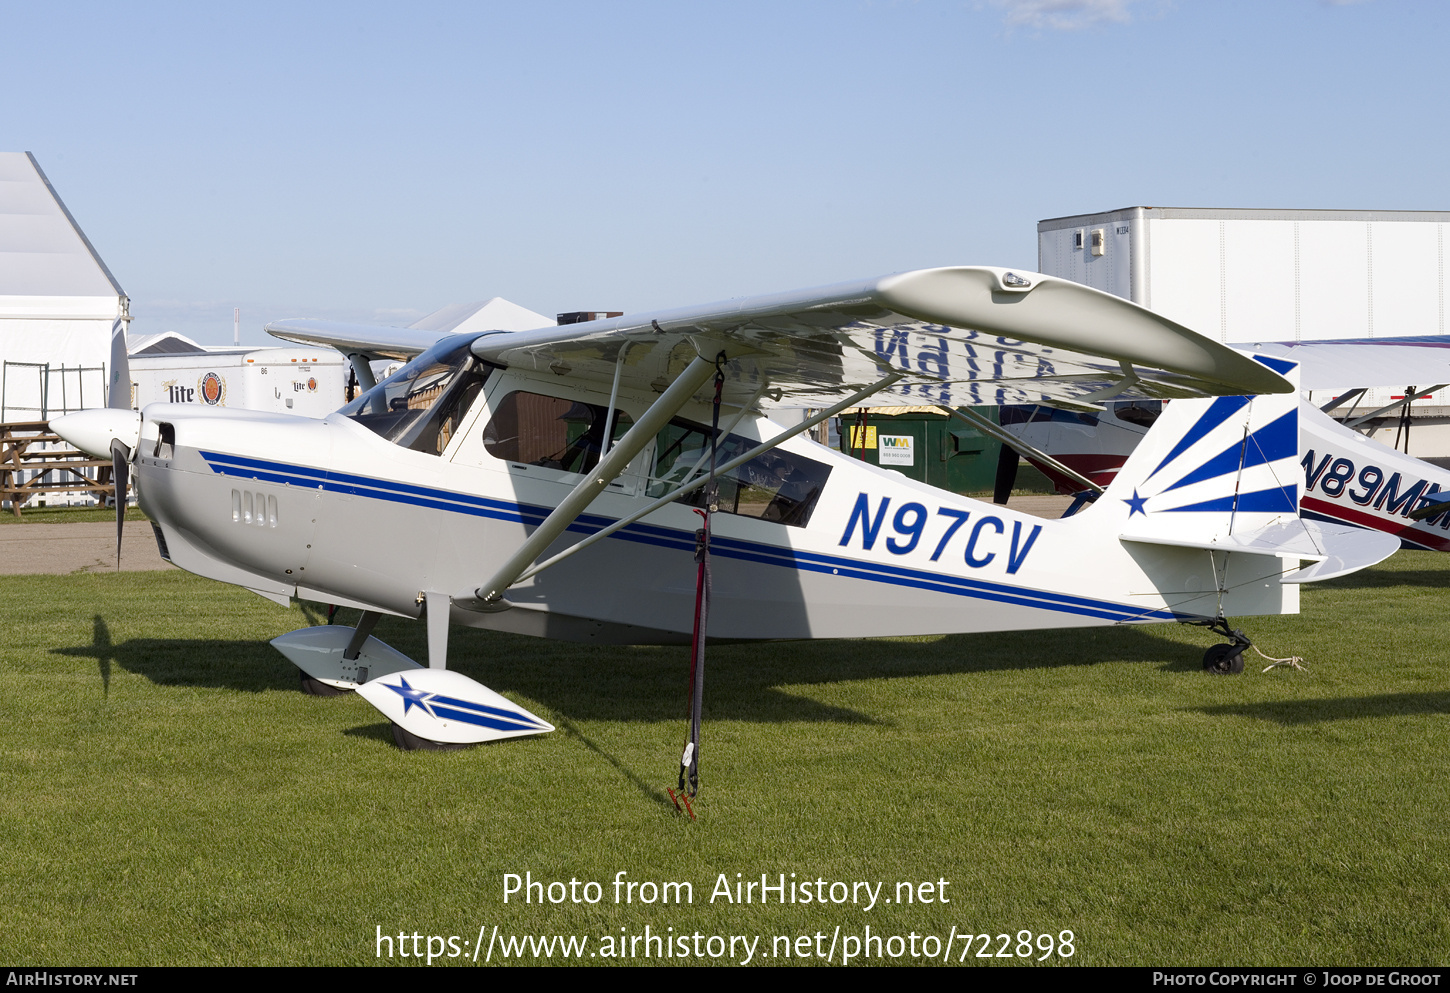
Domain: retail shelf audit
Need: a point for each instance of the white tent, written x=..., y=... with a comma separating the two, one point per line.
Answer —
x=58, y=301
x=496, y=314
x=167, y=342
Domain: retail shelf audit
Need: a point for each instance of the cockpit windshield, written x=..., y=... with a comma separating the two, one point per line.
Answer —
x=420, y=405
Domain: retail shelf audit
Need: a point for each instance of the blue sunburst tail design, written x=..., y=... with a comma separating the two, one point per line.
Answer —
x=1212, y=467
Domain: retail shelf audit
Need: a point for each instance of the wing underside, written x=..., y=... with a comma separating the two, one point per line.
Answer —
x=955, y=336
x=961, y=336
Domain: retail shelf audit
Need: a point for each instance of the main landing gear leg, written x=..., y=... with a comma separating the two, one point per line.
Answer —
x=365, y=625
x=435, y=614
x=1225, y=660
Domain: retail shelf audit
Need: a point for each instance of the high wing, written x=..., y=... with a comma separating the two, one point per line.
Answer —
x=1364, y=362
x=957, y=336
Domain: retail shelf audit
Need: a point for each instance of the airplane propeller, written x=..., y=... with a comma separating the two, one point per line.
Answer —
x=121, y=476
x=118, y=397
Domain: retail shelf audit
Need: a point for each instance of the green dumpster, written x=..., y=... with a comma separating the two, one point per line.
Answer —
x=926, y=445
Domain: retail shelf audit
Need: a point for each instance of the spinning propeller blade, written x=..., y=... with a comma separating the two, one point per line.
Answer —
x=118, y=392
x=121, y=476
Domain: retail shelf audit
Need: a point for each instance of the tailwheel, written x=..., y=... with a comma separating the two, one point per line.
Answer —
x=410, y=742
x=1224, y=660
x=316, y=687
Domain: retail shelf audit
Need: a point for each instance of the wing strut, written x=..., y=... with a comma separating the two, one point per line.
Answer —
x=363, y=370
x=690, y=487
x=1411, y=395
x=613, y=399
x=642, y=433
x=1342, y=399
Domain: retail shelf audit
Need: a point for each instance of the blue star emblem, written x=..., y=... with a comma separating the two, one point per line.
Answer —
x=411, y=697
x=1135, y=504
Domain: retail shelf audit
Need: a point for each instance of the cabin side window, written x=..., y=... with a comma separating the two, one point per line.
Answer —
x=552, y=432
x=777, y=486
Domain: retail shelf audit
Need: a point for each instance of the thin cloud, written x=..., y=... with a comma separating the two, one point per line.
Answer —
x=1065, y=15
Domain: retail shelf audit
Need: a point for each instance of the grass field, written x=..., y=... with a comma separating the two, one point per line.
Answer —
x=170, y=798
x=68, y=515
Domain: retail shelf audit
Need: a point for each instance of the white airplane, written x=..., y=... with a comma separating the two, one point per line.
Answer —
x=1348, y=477
x=551, y=483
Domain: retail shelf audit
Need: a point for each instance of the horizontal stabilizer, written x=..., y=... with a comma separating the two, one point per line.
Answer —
x=1348, y=549
x=1336, y=550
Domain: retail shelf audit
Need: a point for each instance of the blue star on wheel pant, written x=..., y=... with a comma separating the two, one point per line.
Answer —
x=411, y=697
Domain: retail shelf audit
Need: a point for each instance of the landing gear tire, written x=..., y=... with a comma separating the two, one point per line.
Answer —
x=1224, y=660
x=410, y=742
x=316, y=687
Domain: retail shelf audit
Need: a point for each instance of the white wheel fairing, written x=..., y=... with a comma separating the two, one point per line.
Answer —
x=318, y=650
x=446, y=706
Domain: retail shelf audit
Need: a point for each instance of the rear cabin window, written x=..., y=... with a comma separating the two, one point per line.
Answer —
x=533, y=429
x=777, y=486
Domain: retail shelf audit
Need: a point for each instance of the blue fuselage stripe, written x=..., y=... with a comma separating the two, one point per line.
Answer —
x=651, y=534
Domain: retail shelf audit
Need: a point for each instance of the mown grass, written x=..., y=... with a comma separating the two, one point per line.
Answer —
x=170, y=798
x=31, y=514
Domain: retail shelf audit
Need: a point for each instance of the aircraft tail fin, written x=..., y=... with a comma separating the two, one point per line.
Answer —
x=1224, y=474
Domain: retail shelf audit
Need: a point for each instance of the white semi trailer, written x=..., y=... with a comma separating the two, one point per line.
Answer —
x=305, y=381
x=1245, y=276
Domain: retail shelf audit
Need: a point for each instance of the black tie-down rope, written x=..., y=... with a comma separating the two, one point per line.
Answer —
x=689, y=782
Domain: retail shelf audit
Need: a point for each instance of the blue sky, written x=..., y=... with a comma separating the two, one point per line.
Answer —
x=374, y=162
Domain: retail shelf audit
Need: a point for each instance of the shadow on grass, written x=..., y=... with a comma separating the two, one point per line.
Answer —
x=1295, y=712
x=650, y=792
x=1409, y=568
x=1388, y=579
x=251, y=666
x=648, y=683
x=372, y=732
